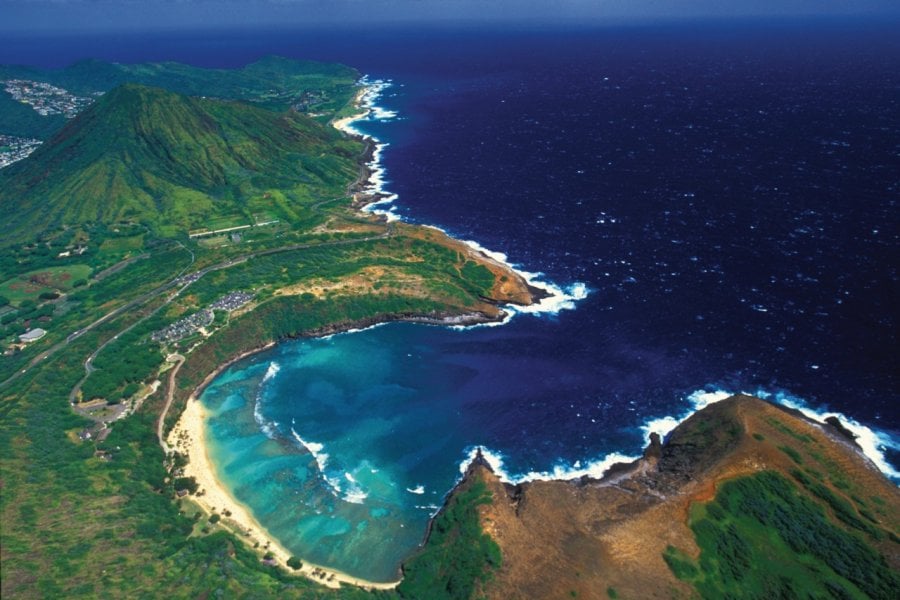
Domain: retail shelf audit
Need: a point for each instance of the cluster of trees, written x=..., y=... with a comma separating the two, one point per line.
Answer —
x=458, y=557
x=751, y=534
x=14, y=322
x=841, y=508
x=123, y=365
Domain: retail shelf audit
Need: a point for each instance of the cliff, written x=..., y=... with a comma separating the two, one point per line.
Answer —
x=699, y=515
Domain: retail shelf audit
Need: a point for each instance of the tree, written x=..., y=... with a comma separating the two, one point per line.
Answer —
x=295, y=563
x=189, y=484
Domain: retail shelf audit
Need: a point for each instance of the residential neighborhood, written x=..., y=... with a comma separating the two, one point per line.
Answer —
x=46, y=99
x=232, y=301
x=183, y=327
x=189, y=325
x=13, y=148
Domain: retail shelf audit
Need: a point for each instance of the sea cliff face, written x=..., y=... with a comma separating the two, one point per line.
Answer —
x=654, y=528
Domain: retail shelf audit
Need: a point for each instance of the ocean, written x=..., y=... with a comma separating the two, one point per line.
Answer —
x=715, y=205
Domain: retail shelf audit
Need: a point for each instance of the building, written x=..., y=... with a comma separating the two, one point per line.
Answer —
x=32, y=335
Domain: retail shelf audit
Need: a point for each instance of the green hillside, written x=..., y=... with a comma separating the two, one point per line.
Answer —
x=174, y=163
x=272, y=82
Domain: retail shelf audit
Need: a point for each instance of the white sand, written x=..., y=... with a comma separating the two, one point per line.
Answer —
x=187, y=437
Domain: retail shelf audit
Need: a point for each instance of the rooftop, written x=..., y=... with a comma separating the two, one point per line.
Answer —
x=32, y=335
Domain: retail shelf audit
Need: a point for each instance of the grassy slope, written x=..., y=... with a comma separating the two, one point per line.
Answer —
x=88, y=518
x=173, y=162
x=806, y=526
x=762, y=538
x=721, y=510
x=459, y=557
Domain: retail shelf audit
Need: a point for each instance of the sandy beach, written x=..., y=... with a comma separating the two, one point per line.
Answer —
x=188, y=434
x=187, y=437
x=343, y=124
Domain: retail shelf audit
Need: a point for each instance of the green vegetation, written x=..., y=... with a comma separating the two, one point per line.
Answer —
x=795, y=456
x=800, y=437
x=30, y=285
x=762, y=538
x=842, y=509
x=96, y=235
x=458, y=556
x=680, y=563
x=221, y=159
x=273, y=82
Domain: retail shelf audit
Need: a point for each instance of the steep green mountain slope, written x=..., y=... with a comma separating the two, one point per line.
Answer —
x=173, y=163
x=272, y=82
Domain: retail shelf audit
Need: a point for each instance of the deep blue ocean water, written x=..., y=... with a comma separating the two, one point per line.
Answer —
x=727, y=193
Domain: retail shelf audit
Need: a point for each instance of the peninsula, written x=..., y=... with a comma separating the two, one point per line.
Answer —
x=156, y=235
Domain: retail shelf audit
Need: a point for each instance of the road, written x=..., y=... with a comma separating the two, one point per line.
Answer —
x=389, y=231
x=170, y=394
x=88, y=363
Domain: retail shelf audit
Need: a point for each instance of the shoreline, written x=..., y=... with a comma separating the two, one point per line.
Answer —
x=368, y=192
x=547, y=298
x=189, y=437
x=188, y=432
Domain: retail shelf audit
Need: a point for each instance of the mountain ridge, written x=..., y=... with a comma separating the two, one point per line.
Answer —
x=153, y=156
x=644, y=529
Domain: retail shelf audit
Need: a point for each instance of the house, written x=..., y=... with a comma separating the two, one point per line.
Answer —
x=32, y=335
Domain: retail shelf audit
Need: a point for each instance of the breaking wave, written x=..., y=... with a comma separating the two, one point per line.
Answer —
x=336, y=482
x=269, y=428
x=872, y=443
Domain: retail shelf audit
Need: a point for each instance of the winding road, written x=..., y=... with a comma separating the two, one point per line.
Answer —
x=142, y=299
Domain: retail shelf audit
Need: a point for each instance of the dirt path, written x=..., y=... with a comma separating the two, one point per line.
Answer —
x=170, y=394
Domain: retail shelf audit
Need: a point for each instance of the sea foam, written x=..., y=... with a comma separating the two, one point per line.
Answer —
x=269, y=428
x=315, y=449
x=335, y=482
x=272, y=371
x=698, y=400
x=557, y=298
x=376, y=183
x=871, y=442
x=594, y=468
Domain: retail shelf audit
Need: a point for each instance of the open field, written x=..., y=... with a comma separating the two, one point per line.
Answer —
x=29, y=286
x=122, y=245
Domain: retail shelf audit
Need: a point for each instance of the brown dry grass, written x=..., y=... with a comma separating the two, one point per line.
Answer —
x=585, y=537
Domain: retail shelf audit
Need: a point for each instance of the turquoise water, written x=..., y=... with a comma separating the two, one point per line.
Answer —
x=729, y=242
x=339, y=446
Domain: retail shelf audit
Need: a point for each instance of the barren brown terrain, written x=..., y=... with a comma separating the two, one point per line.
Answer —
x=606, y=538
